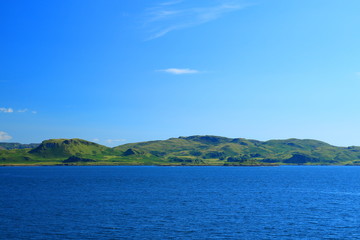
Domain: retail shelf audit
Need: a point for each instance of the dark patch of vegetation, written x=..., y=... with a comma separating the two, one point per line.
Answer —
x=74, y=159
x=195, y=153
x=214, y=154
x=131, y=151
x=185, y=160
x=239, y=141
x=241, y=158
x=299, y=158
x=158, y=153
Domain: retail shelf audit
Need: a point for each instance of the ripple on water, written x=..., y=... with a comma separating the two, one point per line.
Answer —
x=179, y=203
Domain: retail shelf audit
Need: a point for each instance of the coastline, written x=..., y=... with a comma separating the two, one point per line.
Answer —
x=168, y=165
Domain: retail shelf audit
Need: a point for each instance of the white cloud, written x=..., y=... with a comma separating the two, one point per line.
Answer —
x=175, y=15
x=96, y=140
x=6, y=110
x=4, y=136
x=178, y=71
x=11, y=110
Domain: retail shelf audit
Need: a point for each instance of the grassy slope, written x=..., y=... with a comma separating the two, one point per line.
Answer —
x=58, y=151
x=238, y=151
x=9, y=146
x=193, y=150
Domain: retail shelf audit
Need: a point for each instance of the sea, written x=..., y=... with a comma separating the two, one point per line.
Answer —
x=148, y=202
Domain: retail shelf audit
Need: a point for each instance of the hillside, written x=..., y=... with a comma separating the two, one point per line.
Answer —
x=75, y=152
x=192, y=150
x=234, y=151
x=68, y=147
x=9, y=146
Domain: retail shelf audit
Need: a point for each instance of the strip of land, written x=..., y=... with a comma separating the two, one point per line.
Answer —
x=189, y=151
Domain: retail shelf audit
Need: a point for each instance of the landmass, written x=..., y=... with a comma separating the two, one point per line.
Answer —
x=182, y=151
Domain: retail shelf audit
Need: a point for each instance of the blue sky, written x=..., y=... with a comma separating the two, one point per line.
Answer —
x=119, y=71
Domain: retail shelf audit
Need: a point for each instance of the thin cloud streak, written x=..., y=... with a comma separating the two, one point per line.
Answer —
x=166, y=17
x=110, y=141
x=4, y=136
x=178, y=71
x=11, y=110
x=170, y=3
x=6, y=110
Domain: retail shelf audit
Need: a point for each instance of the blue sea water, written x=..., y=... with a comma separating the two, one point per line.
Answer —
x=180, y=202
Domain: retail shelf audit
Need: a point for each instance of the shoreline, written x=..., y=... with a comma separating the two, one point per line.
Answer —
x=104, y=165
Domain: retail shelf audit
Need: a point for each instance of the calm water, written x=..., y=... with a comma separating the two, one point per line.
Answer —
x=180, y=203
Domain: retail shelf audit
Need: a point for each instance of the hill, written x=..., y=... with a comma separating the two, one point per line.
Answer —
x=75, y=152
x=240, y=151
x=8, y=146
x=192, y=150
x=68, y=147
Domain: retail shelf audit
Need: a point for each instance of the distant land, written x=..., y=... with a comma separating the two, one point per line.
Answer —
x=8, y=146
x=192, y=151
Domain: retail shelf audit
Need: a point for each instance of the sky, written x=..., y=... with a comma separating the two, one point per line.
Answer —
x=118, y=71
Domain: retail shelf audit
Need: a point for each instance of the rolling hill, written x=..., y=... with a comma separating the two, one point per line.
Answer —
x=192, y=150
x=8, y=146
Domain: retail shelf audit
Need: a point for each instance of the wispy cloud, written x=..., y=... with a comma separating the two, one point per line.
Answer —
x=170, y=3
x=108, y=142
x=178, y=71
x=4, y=136
x=6, y=110
x=11, y=110
x=174, y=15
x=111, y=141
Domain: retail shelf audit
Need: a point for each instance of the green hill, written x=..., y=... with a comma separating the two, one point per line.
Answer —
x=216, y=150
x=54, y=148
x=192, y=150
x=9, y=146
x=55, y=151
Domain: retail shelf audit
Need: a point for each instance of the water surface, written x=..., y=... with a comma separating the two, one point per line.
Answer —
x=180, y=202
